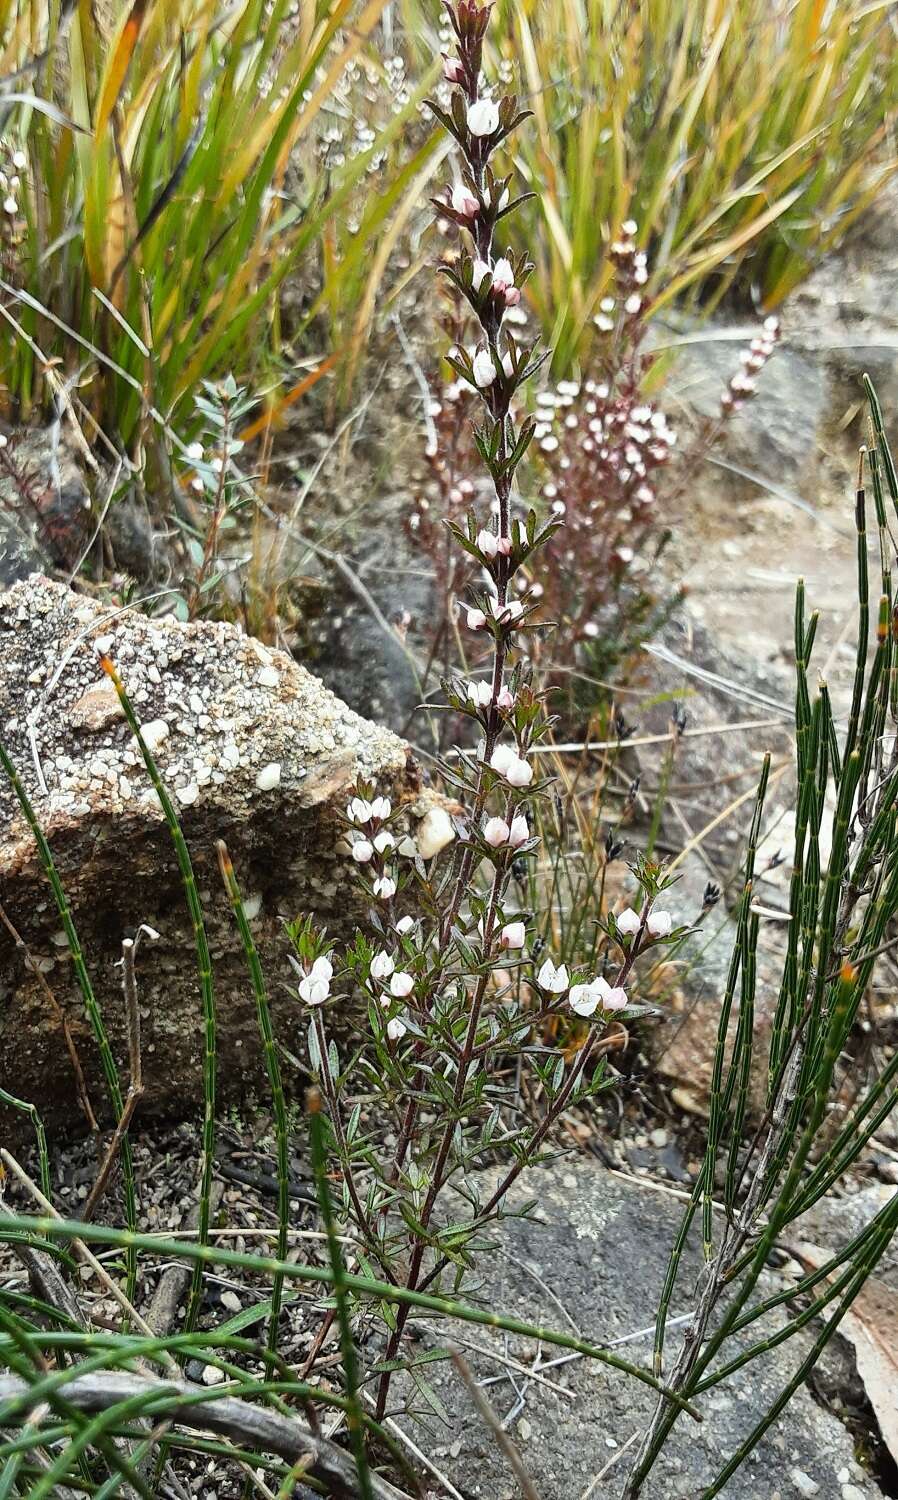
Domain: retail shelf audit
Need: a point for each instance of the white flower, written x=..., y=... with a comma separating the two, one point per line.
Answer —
x=508, y=365
x=483, y=369
x=555, y=981
x=362, y=851
x=435, y=831
x=476, y=619
x=359, y=811
x=513, y=935
x=194, y=451
x=401, y=984
x=628, y=922
x=10, y=205
x=660, y=923
x=480, y=271
x=384, y=887
x=381, y=807
x=583, y=999
x=316, y=986
x=483, y=117
x=464, y=202
x=519, y=833
x=480, y=694
x=384, y=841
x=382, y=965
x=20, y=162
x=495, y=832
x=405, y=924
x=396, y=1029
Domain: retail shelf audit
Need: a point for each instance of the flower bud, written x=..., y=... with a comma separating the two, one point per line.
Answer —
x=659, y=923
x=483, y=369
x=396, y=1029
x=476, y=619
x=488, y=543
x=513, y=935
x=464, y=202
x=495, y=832
x=401, y=984
x=519, y=832
x=362, y=851
x=628, y=922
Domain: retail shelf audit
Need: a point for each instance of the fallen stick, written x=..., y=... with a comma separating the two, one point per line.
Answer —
x=227, y=1416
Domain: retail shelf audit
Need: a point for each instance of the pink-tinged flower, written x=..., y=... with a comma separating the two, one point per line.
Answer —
x=488, y=543
x=612, y=998
x=628, y=922
x=503, y=277
x=382, y=965
x=480, y=272
x=316, y=986
x=583, y=999
x=483, y=117
x=519, y=833
x=480, y=694
x=554, y=981
x=503, y=546
x=362, y=851
x=396, y=1029
x=505, y=613
x=513, y=935
x=464, y=202
x=483, y=369
x=520, y=772
x=401, y=984
x=453, y=72
x=384, y=887
x=659, y=923
x=505, y=700
x=476, y=619
x=495, y=832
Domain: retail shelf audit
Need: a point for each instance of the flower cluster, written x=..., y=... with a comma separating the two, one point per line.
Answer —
x=743, y=384
x=372, y=843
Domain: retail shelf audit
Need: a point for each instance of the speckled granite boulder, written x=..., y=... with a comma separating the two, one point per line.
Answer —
x=254, y=750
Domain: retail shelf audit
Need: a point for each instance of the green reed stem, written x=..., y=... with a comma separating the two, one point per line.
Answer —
x=341, y=1300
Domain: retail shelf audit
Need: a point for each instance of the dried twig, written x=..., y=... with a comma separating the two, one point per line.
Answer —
x=503, y=1441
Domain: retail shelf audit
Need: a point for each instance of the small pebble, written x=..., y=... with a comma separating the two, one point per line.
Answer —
x=803, y=1482
x=658, y=1139
x=269, y=777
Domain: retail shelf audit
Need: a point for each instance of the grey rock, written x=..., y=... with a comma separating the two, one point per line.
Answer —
x=596, y=1260
x=221, y=709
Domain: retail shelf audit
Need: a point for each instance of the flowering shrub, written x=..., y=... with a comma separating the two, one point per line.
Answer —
x=609, y=468
x=453, y=991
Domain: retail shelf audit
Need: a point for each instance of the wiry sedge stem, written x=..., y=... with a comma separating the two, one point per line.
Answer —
x=91, y=1005
x=273, y=1068
x=204, y=972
